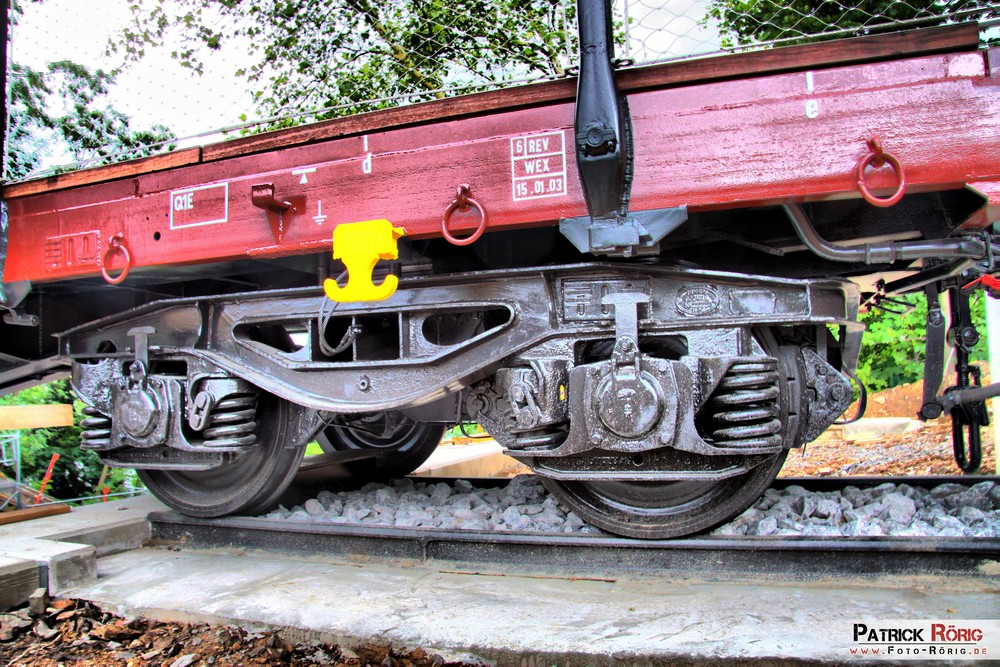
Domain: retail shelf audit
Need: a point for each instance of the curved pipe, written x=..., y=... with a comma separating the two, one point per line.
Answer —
x=881, y=253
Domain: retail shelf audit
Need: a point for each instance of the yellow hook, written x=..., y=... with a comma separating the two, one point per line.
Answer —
x=360, y=245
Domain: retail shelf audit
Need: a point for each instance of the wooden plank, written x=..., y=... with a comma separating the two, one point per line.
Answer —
x=28, y=513
x=74, y=179
x=19, y=417
x=837, y=52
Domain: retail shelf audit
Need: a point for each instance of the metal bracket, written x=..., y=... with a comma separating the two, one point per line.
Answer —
x=638, y=233
x=141, y=336
x=262, y=196
x=933, y=355
x=14, y=318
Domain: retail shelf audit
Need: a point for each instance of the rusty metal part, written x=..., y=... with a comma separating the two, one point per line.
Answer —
x=876, y=157
x=116, y=246
x=262, y=196
x=463, y=202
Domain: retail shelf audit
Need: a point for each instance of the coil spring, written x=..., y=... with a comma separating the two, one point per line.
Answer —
x=232, y=422
x=745, y=408
x=96, y=434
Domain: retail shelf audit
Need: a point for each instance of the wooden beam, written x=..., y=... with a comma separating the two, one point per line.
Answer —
x=19, y=417
x=111, y=172
x=14, y=516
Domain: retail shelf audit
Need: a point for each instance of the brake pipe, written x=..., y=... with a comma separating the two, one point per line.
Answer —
x=881, y=253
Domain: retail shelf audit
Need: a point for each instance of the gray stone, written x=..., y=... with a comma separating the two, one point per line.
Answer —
x=573, y=522
x=827, y=508
x=440, y=492
x=781, y=509
x=863, y=528
x=817, y=530
x=947, y=489
x=463, y=486
x=970, y=498
x=748, y=518
x=970, y=515
x=385, y=495
x=944, y=522
x=313, y=506
x=512, y=516
x=898, y=508
x=805, y=505
x=766, y=526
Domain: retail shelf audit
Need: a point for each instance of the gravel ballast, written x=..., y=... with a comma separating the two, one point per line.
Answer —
x=947, y=510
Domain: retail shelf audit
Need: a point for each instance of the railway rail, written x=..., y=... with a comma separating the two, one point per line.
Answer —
x=594, y=554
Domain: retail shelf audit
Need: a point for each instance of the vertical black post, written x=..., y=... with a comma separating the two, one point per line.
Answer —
x=600, y=125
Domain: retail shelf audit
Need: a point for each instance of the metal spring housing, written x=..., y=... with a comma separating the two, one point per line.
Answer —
x=745, y=409
x=232, y=422
x=96, y=434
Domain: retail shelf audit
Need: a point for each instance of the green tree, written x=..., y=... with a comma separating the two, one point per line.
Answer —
x=753, y=22
x=348, y=56
x=894, y=343
x=62, y=110
x=77, y=472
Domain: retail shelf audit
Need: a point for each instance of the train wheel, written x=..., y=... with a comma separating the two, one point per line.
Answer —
x=400, y=444
x=657, y=510
x=249, y=485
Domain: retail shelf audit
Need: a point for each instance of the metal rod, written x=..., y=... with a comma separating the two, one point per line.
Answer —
x=881, y=253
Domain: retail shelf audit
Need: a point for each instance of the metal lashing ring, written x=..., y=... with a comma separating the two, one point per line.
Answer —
x=877, y=157
x=462, y=202
x=116, y=245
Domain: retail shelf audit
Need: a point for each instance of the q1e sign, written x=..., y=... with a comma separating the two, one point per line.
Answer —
x=538, y=166
x=203, y=205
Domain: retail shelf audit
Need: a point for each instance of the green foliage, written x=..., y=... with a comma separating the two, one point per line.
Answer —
x=750, y=22
x=61, y=110
x=77, y=472
x=341, y=54
x=892, y=352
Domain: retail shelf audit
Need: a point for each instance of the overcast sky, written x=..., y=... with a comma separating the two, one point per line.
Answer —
x=155, y=90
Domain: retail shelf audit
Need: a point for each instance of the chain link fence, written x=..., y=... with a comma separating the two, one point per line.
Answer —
x=165, y=75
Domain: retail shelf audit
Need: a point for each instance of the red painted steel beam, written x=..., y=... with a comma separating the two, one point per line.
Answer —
x=743, y=142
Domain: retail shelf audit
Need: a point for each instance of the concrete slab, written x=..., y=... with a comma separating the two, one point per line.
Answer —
x=67, y=564
x=18, y=578
x=63, y=549
x=878, y=427
x=513, y=618
x=110, y=527
x=478, y=459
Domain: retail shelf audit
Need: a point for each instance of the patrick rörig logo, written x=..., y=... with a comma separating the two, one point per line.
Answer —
x=931, y=640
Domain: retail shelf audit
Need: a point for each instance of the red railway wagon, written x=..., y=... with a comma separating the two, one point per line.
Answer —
x=644, y=281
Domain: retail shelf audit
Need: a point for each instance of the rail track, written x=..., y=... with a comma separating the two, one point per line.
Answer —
x=709, y=556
